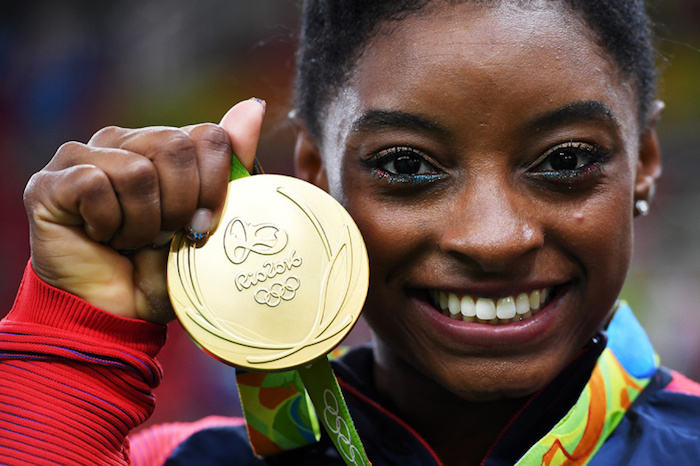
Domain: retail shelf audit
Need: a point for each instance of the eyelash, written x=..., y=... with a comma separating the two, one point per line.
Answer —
x=593, y=166
x=378, y=164
x=595, y=157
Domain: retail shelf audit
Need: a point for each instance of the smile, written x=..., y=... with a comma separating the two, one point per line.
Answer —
x=490, y=311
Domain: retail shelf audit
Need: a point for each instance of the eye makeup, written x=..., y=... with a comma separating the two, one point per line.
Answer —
x=402, y=164
x=571, y=162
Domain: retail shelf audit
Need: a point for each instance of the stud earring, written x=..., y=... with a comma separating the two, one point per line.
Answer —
x=641, y=207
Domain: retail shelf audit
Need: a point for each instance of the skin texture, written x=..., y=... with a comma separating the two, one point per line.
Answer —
x=479, y=95
x=123, y=190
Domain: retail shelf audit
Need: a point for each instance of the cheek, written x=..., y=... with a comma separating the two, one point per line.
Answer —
x=396, y=237
x=599, y=236
x=385, y=235
x=393, y=243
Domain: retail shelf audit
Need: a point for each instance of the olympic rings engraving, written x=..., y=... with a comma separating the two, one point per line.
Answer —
x=336, y=425
x=278, y=292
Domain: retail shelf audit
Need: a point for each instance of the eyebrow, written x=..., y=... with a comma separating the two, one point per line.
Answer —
x=375, y=120
x=591, y=110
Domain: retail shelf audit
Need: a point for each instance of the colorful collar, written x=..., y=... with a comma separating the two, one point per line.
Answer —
x=622, y=371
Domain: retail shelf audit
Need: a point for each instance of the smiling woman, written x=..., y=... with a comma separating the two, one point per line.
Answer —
x=493, y=155
x=486, y=153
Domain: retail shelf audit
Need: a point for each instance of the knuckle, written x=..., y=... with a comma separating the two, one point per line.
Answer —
x=108, y=133
x=212, y=136
x=140, y=175
x=93, y=181
x=58, y=187
x=65, y=155
x=111, y=130
x=30, y=190
x=69, y=147
x=177, y=147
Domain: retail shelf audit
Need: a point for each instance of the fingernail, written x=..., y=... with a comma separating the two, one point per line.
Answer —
x=261, y=102
x=200, y=226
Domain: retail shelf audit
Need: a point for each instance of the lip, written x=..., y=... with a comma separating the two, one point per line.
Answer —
x=525, y=332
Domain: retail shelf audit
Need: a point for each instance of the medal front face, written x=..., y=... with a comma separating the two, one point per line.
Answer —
x=281, y=281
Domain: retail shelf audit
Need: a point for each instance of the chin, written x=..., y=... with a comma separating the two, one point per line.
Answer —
x=492, y=392
x=492, y=381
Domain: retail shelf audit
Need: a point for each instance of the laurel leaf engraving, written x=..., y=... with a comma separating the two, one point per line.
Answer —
x=334, y=290
x=318, y=332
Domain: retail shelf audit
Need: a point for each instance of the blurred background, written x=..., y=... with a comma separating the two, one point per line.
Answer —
x=69, y=68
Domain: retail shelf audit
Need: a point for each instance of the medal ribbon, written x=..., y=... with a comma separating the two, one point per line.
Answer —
x=277, y=406
x=323, y=389
x=624, y=368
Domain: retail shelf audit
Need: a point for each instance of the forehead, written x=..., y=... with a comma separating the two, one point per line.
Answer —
x=488, y=58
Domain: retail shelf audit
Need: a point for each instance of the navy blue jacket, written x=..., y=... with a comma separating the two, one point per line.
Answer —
x=662, y=427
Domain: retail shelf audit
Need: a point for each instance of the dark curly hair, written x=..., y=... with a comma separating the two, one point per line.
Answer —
x=334, y=33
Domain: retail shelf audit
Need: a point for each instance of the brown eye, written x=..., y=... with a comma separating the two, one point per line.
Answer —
x=567, y=159
x=407, y=164
x=570, y=162
x=403, y=164
x=403, y=161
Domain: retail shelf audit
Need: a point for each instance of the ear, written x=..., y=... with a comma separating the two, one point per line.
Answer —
x=649, y=162
x=308, y=163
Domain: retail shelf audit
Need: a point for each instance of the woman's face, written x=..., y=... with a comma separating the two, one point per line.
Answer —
x=489, y=157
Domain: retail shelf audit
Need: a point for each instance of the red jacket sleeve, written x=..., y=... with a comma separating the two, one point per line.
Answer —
x=74, y=380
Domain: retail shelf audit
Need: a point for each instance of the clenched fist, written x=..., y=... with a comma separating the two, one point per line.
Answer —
x=96, y=208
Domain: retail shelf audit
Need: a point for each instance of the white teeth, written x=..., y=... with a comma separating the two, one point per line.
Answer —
x=522, y=304
x=500, y=311
x=468, y=307
x=535, y=300
x=505, y=308
x=453, y=304
x=485, y=309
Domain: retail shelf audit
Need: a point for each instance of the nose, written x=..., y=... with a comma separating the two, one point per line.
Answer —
x=491, y=225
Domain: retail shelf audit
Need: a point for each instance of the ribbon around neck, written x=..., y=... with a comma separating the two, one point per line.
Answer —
x=279, y=406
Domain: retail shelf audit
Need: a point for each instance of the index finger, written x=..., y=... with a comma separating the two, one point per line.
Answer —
x=242, y=126
x=213, y=156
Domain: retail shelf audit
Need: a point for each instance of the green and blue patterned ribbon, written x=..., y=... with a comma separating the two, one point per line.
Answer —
x=278, y=406
x=624, y=368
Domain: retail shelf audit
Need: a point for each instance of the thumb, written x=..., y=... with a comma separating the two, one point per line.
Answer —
x=242, y=124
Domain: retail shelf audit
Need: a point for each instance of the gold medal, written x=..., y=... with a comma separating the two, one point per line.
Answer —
x=281, y=281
